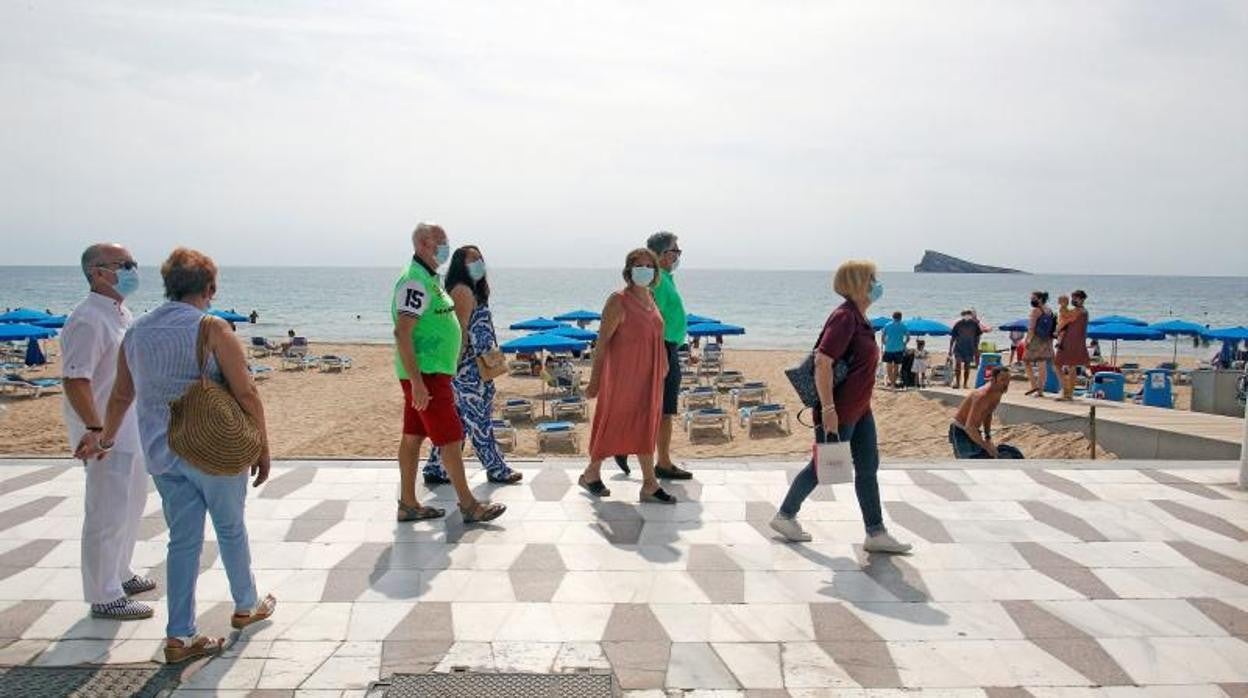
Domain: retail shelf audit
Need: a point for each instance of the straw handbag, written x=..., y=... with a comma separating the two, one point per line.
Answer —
x=492, y=364
x=207, y=426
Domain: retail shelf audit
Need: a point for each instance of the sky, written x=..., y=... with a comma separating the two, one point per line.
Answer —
x=1055, y=136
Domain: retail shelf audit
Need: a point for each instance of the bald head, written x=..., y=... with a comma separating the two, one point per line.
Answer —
x=99, y=264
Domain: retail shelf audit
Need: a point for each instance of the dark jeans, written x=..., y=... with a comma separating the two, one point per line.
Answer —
x=866, y=453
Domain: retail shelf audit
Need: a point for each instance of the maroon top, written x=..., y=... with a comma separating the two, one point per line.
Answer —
x=847, y=332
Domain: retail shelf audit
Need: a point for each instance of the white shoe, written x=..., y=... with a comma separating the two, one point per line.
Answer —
x=885, y=543
x=790, y=529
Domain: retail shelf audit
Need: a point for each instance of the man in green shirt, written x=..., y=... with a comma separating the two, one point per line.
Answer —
x=428, y=341
x=675, y=326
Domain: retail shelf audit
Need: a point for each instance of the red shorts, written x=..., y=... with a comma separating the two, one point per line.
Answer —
x=440, y=419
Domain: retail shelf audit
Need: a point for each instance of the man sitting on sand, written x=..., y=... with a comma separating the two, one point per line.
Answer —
x=971, y=431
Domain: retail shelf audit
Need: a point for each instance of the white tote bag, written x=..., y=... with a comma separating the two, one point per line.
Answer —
x=834, y=464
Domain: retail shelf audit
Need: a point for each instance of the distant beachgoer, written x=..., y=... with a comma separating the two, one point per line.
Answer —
x=964, y=346
x=845, y=407
x=1041, y=327
x=627, y=379
x=921, y=363
x=1095, y=347
x=896, y=336
x=970, y=434
x=467, y=282
x=290, y=340
x=428, y=340
x=254, y=317
x=157, y=363
x=1072, y=345
x=116, y=486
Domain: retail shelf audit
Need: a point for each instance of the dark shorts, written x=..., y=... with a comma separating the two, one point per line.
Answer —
x=439, y=421
x=671, y=384
x=894, y=357
x=964, y=355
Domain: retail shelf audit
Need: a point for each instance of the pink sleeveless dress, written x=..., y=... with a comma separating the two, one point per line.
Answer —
x=630, y=388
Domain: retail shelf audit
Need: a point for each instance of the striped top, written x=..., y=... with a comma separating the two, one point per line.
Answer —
x=160, y=351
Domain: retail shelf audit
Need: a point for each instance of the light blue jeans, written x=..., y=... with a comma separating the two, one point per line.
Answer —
x=186, y=494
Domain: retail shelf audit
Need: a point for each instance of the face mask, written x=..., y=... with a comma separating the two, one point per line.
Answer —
x=1035, y=302
x=876, y=292
x=476, y=270
x=127, y=282
x=642, y=276
x=442, y=254
x=1078, y=303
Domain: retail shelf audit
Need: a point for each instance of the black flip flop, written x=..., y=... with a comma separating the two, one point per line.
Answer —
x=595, y=487
x=622, y=462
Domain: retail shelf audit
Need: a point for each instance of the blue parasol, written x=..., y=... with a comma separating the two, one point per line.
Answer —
x=1176, y=329
x=17, y=331
x=579, y=316
x=878, y=322
x=700, y=319
x=1117, y=331
x=714, y=329
x=921, y=326
x=27, y=315
x=1019, y=325
x=575, y=333
x=1117, y=320
x=228, y=315
x=1229, y=334
x=537, y=324
x=543, y=341
x=53, y=321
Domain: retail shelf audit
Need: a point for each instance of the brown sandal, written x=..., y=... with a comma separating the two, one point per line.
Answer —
x=262, y=611
x=418, y=513
x=482, y=512
x=192, y=648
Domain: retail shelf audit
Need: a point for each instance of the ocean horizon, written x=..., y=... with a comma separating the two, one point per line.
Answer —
x=780, y=309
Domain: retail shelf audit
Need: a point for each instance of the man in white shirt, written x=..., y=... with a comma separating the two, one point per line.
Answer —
x=116, y=490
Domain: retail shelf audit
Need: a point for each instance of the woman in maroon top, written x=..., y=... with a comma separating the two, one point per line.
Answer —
x=1072, y=345
x=845, y=408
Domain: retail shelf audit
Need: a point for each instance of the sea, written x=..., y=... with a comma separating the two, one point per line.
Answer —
x=779, y=309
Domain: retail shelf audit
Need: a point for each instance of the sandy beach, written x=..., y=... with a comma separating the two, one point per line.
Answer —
x=356, y=414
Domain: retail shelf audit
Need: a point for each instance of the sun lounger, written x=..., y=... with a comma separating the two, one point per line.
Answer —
x=709, y=419
x=570, y=407
x=689, y=379
x=727, y=380
x=504, y=435
x=552, y=433
x=34, y=387
x=699, y=397
x=258, y=372
x=261, y=347
x=769, y=414
x=750, y=393
x=518, y=408
x=1132, y=372
x=519, y=367
x=331, y=362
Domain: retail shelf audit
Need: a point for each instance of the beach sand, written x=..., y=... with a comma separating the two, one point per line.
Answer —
x=357, y=414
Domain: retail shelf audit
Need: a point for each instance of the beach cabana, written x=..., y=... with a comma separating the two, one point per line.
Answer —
x=1117, y=320
x=692, y=319
x=1178, y=328
x=228, y=315
x=714, y=329
x=921, y=326
x=1116, y=331
x=537, y=324
x=26, y=315
x=579, y=316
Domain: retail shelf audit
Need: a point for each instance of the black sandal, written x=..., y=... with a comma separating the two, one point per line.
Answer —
x=656, y=497
x=622, y=462
x=594, y=487
x=418, y=513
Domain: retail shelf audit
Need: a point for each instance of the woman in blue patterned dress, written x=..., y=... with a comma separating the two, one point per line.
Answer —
x=466, y=282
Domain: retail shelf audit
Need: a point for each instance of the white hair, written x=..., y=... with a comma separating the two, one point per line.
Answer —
x=423, y=229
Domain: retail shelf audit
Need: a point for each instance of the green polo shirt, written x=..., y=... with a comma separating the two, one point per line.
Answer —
x=436, y=337
x=667, y=297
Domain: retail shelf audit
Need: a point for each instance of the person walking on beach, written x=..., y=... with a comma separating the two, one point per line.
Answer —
x=896, y=337
x=466, y=281
x=1041, y=328
x=158, y=361
x=116, y=487
x=675, y=327
x=627, y=379
x=970, y=434
x=964, y=346
x=428, y=339
x=844, y=407
x=1072, y=345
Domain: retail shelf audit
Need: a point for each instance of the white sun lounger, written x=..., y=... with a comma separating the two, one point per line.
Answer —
x=518, y=408
x=773, y=414
x=710, y=419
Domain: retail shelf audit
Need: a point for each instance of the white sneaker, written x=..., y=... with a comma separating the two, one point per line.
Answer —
x=790, y=529
x=885, y=543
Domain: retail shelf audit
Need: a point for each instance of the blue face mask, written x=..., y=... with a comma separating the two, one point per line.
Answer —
x=476, y=270
x=876, y=292
x=442, y=254
x=127, y=282
x=642, y=276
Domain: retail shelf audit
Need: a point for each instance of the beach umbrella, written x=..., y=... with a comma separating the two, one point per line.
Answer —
x=16, y=331
x=878, y=322
x=34, y=355
x=1176, y=329
x=579, y=316
x=27, y=315
x=1019, y=325
x=1229, y=334
x=714, y=329
x=537, y=324
x=228, y=315
x=581, y=335
x=921, y=326
x=700, y=319
x=1117, y=320
x=54, y=322
x=1116, y=331
x=543, y=341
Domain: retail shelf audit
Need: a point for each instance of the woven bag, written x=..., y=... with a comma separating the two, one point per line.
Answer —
x=207, y=426
x=492, y=364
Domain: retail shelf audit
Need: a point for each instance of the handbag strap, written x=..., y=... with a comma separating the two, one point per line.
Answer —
x=201, y=347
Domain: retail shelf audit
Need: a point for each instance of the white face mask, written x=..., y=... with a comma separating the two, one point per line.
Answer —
x=642, y=276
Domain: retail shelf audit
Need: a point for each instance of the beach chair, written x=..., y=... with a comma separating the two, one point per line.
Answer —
x=706, y=420
x=1132, y=372
x=689, y=378
x=570, y=407
x=504, y=435
x=556, y=433
x=34, y=387
x=519, y=367
x=258, y=372
x=750, y=393
x=333, y=363
x=768, y=414
x=700, y=396
x=296, y=356
x=261, y=347
x=518, y=408
x=727, y=380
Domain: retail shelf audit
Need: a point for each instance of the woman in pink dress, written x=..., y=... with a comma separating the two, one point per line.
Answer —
x=629, y=365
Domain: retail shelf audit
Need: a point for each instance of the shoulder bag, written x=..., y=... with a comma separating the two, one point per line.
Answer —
x=492, y=364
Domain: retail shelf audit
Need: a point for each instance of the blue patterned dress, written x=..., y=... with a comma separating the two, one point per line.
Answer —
x=475, y=400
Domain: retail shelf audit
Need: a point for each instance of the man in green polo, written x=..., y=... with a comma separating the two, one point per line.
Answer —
x=675, y=326
x=427, y=341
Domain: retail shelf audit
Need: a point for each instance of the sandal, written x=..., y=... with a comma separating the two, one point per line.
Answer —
x=510, y=478
x=594, y=487
x=482, y=512
x=672, y=472
x=622, y=463
x=418, y=513
x=262, y=611
x=656, y=497
x=192, y=648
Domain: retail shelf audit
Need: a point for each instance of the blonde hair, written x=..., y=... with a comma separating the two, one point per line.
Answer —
x=853, y=277
x=650, y=256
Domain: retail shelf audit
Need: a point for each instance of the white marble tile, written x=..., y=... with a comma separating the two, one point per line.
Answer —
x=956, y=664
x=755, y=664
x=22, y=651
x=695, y=665
x=899, y=622
x=1121, y=554
x=806, y=665
x=967, y=556
x=375, y=621
x=476, y=656
x=1135, y=618
x=322, y=622
x=1169, y=583
x=1184, y=660
x=290, y=663
x=994, y=585
x=525, y=657
x=341, y=673
x=580, y=655
x=226, y=673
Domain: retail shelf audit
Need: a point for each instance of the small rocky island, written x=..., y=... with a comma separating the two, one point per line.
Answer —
x=939, y=263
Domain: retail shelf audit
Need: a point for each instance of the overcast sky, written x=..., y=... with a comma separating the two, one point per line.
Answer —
x=1052, y=136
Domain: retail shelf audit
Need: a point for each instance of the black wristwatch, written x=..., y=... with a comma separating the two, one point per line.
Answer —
x=95, y=429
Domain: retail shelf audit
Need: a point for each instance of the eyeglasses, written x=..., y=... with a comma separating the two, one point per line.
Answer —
x=127, y=265
x=675, y=250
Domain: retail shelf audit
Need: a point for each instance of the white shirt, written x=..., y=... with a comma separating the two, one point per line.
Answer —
x=90, y=341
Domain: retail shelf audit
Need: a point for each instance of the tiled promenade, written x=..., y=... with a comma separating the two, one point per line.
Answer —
x=1114, y=579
